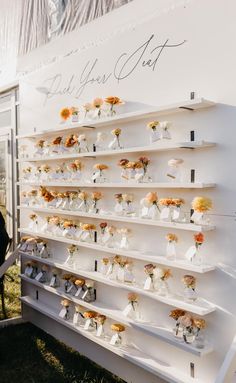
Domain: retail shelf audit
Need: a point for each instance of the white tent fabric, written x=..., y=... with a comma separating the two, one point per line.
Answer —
x=28, y=24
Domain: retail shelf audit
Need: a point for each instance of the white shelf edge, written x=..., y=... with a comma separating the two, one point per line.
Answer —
x=174, y=302
x=140, y=221
x=163, y=334
x=188, y=145
x=153, y=185
x=131, y=354
x=127, y=253
x=131, y=116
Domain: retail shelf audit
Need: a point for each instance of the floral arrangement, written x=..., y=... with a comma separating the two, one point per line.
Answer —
x=103, y=226
x=132, y=298
x=153, y=125
x=112, y=101
x=115, y=143
x=165, y=274
x=201, y=204
x=199, y=239
x=65, y=113
x=151, y=198
x=40, y=144
x=172, y=238
x=87, y=108
x=65, y=302
x=100, y=319
x=189, y=281
x=71, y=140
x=95, y=197
x=97, y=104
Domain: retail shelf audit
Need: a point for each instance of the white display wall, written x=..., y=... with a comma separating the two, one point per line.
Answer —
x=159, y=62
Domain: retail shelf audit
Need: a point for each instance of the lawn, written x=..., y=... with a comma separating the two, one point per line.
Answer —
x=12, y=293
x=29, y=355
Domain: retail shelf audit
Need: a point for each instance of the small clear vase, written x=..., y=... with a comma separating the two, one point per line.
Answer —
x=129, y=210
x=153, y=212
x=171, y=251
x=124, y=243
x=118, y=208
x=189, y=335
x=178, y=332
x=200, y=339
x=154, y=136
x=116, y=340
x=115, y=144
x=163, y=288
x=197, y=258
x=190, y=294
x=175, y=174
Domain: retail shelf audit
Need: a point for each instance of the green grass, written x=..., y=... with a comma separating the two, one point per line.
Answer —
x=12, y=293
x=29, y=355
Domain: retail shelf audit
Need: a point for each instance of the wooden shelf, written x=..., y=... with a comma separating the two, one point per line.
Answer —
x=184, y=106
x=135, y=254
x=115, y=185
x=152, y=329
x=133, y=355
x=200, y=307
x=189, y=145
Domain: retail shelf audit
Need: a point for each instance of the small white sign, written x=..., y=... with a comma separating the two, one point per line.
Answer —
x=87, y=324
x=99, y=330
x=39, y=276
x=165, y=213
x=75, y=318
x=148, y=283
x=78, y=292
x=127, y=310
x=62, y=313
x=190, y=253
x=114, y=339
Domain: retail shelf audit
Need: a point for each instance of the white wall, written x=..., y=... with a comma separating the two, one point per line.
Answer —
x=204, y=63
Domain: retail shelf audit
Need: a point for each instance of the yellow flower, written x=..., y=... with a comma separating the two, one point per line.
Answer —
x=83, y=196
x=65, y=113
x=199, y=323
x=116, y=132
x=117, y=327
x=88, y=226
x=172, y=237
x=201, y=204
x=153, y=125
x=175, y=314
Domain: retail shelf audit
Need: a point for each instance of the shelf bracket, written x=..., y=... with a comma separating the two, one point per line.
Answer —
x=186, y=108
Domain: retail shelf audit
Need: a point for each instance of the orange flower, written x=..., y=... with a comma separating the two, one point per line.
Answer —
x=101, y=166
x=199, y=238
x=112, y=100
x=65, y=113
x=97, y=102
